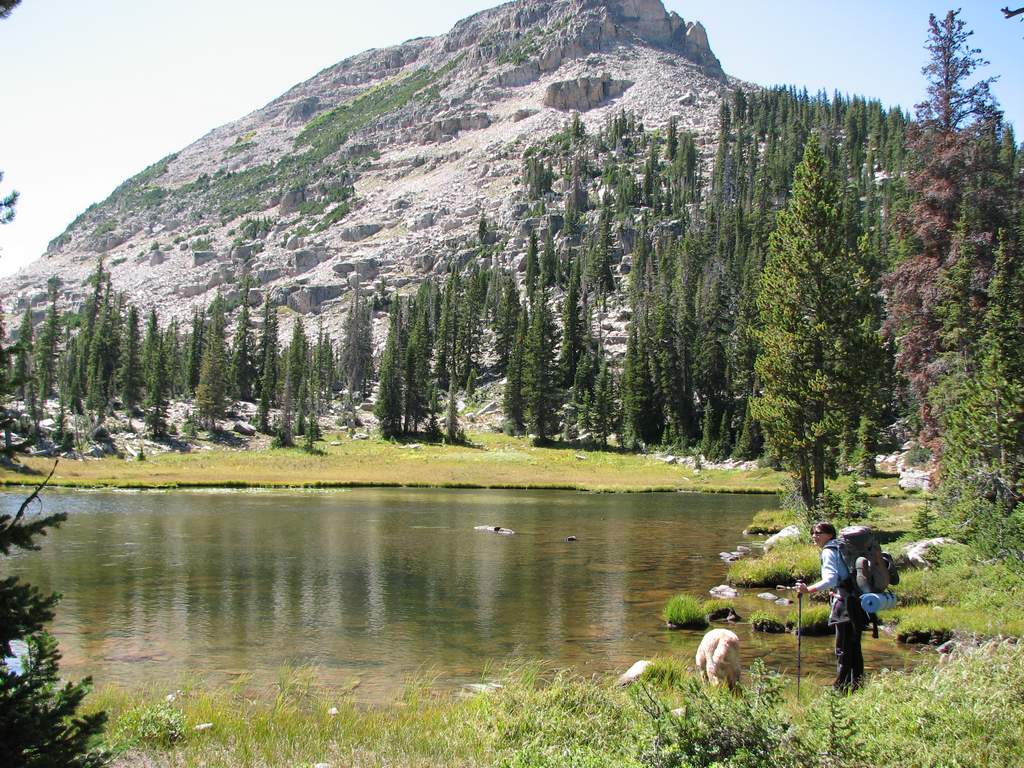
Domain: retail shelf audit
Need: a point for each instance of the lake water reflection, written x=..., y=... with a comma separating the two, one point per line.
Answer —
x=377, y=585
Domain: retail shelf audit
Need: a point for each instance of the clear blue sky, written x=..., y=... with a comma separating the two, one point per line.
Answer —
x=94, y=92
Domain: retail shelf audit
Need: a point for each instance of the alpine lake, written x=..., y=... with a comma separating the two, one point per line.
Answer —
x=372, y=588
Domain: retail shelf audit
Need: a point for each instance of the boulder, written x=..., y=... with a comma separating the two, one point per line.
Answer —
x=584, y=93
x=359, y=232
x=291, y=200
x=244, y=428
x=366, y=268
x=913, y=479
x=305, y=260
x=633, y=674
x=202, y=257
x=789, y=532
x=915, y=555
x=311, y=298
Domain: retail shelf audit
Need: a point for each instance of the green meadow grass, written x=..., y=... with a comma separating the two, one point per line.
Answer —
x=965, y=712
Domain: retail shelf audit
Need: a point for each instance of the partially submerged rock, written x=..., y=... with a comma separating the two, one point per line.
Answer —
x=723, y=591
x=494, y=529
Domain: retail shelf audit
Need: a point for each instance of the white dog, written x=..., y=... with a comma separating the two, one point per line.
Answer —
x=718, y=658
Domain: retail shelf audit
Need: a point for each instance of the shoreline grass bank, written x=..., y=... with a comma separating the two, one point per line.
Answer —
x=960, y=713
x=488, y=461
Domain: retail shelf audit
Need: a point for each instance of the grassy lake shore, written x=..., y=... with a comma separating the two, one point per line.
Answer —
x=488, y=460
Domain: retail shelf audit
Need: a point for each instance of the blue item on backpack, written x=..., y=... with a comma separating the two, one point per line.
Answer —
x=873, y=602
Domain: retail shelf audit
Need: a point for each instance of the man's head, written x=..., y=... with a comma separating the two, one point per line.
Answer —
x=822, y=533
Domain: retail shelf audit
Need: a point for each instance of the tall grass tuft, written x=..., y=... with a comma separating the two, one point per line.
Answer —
x=786, y=563
x=814, y=620
x=685, y=612
x=763, y=621
x=719, y=610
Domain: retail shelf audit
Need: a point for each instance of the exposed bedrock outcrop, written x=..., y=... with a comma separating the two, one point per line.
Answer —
x=584, y=93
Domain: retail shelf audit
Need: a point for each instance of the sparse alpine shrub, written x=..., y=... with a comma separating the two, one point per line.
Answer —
x=156, y=726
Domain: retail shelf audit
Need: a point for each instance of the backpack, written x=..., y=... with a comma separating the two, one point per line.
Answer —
x=870, y=569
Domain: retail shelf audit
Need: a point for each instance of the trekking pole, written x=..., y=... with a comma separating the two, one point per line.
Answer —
x=799, y=637
x=799, y=632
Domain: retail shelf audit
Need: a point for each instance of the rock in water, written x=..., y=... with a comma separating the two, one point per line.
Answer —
x=494, y=529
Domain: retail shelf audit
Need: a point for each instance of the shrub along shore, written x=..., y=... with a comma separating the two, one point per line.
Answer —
x=486, y=460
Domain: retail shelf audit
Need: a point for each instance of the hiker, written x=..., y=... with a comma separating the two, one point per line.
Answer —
x=835, y=577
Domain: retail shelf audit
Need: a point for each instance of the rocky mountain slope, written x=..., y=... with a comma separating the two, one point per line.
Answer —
x=379, y=169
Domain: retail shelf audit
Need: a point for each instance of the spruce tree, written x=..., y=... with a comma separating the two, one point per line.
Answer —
x=47, y=351
x=532, y=265
x=268, y=362
x=388, y=408
x=155, y=362
x=816, y=328
x=130, y=377
x=540, y=373
x=572, y=329
x=211, y=393
x=513, y=403
x=507, y=316
x=243, y=364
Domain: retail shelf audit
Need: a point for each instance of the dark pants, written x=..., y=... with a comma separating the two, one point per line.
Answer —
x=849, y=658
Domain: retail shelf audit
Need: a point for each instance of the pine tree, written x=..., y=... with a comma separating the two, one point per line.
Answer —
x=816, y=328
x=540, y=373
x=416, y=365
x=243, y=364
x=506, y=318
x=388, y=408
x=603, y=415
x=513, y=403
x=211, y=393
x=155, y=362
x=47, y=351
x=39, y=720
x=195, y=352
x=24, y=360
x=548, y=262
x=572, y=329
x=532, y=265
x=268, y=359
x=130, y=377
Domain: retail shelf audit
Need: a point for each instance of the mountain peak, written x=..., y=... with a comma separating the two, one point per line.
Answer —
x=378, y=169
